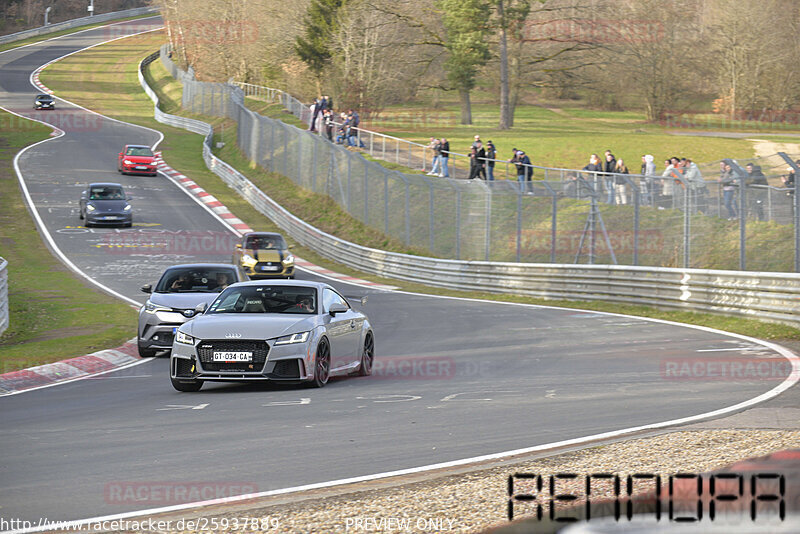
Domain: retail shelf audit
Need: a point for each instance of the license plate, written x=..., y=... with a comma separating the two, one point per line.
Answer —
x=141, y=167
x=270, y=268
x=110, y=218
x=229, y=356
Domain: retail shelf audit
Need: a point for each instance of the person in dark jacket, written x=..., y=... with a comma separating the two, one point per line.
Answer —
x=473, y=162
x=609, y=167
x=756, y=195
x=491, y=155
x=444, y=156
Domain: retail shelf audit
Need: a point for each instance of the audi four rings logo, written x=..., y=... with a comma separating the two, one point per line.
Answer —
x=233, y=336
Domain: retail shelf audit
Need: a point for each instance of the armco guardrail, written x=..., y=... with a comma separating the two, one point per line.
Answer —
x=4, y=319
x=75, y=23
x=768, y=296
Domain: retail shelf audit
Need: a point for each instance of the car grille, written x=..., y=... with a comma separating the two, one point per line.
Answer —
x=183, y=368
x=206, y=349
x=287, y=369
x=259, y=267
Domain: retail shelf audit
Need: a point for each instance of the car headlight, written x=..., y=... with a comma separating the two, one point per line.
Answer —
x=149, y=307
x=180, y=337
x=127, y=207
x=89, y=207
x=247, y=258
x=127, y=162
x=288, y=259
x=301, y=337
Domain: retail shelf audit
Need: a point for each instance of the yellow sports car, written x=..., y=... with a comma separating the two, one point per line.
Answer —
x=264, y=255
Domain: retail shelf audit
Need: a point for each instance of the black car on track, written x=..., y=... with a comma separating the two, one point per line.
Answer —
x=44, y=101
x=105, y=203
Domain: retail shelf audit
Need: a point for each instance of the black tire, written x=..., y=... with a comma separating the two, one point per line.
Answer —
x=367, y=356
x=128, y=225
x=144, y=352
x=322, y=364
x=80, y=215
x=186, y=386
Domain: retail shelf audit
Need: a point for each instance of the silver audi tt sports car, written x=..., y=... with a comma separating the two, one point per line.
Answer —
x=281, y=330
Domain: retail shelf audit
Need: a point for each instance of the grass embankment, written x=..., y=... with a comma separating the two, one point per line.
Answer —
x=111, y=87
x=37, y=39
x=54, y=315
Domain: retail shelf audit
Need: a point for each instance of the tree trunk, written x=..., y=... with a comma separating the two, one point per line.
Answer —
x=466, y=109
x=505, y=111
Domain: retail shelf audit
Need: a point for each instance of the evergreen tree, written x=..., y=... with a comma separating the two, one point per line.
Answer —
x=319, y=24
x=465, y=23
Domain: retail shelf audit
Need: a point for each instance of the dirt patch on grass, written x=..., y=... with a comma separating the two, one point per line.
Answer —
x=69, y=331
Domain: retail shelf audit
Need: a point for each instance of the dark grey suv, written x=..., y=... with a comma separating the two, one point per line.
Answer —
x=173, y=301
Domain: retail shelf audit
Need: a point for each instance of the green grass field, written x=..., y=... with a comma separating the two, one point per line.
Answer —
x=53, y=314
x=31, y=40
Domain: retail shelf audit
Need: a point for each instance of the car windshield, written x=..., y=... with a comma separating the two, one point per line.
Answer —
x=106, y=193
x=44, y=97
x=195, y=280
x=266, y=299
x=139, y=151
x=264, y=242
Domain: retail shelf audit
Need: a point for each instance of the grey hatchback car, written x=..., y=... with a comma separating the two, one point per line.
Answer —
x=174, y=299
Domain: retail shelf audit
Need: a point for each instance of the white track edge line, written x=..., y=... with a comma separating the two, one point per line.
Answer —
x=82, y=377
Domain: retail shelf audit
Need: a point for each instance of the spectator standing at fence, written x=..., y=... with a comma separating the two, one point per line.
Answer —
x=516, y=160
x=329, y=124
x=316, y=109
x=481, y=161
x=667, y=181
x=788, y=180
x=435, y=153
x=648, y=183
x=444, y=156
x=436, y=149
x=595, y=168
x=527, y=168
x=726, y=179
x=620, y=183
x=756, y=190
x=696, y=184
x=491, y=155
x=476, y=141
x=473, y=162
x=608, y=179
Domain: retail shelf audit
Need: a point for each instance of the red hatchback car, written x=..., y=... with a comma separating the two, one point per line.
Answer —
x=137, y=159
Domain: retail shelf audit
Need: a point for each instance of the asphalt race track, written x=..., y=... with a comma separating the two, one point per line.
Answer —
x=454, y=378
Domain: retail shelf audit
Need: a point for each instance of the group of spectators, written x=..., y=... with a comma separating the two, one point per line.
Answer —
x=482, y=160
x=323, y=117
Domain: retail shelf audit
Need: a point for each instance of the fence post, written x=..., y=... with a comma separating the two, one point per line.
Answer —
x=407, y=214
x=458, y=223
x=366, y=193
x=687, y=218
x=348, y=186
x=488, y=221
x=796, y=211
x=519, y=226
x=431, y=216
x=386, y=203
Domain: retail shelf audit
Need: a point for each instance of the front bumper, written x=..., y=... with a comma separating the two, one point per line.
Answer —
x=267, y=269
x=109, y=218
x=157, y=330
x=285, y=363
x=139, y=169
x=44, y=106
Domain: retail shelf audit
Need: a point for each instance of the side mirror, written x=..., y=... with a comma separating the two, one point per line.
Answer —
x=337, y=308
x=291, y=246
x=239, y=246
x=129, y=198
x=147, y=288
x=120, y=153
x=200, y=308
